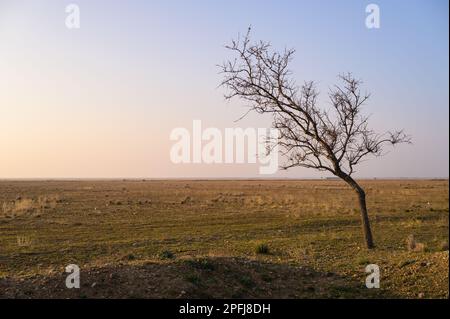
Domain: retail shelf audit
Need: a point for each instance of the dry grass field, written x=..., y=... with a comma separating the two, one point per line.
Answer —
x=221, y=239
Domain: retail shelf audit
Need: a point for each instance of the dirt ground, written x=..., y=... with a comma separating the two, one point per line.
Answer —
x=221, y=239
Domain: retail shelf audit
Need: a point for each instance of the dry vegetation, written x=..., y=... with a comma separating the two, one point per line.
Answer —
x=242, y=239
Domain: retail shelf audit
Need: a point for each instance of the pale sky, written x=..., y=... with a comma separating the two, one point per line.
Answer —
x=102, y=100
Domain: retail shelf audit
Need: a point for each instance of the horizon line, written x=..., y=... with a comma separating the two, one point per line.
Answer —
x=207, y=178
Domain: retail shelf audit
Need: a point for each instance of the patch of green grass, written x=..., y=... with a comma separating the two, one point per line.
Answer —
x=262, y=249
x=201, y=263
x=363, y=261
x=343, y=291
x=193, y=279
x=406, y=263
x=266, y=278
x=166, y=254
x=246, y=281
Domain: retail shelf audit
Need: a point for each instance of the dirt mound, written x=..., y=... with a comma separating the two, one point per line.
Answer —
x=190, y=278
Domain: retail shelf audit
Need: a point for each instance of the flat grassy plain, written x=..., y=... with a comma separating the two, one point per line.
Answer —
x=221, y=239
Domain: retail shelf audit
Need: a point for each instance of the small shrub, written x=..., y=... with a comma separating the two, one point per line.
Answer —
x=5, y=208
x=420, y=247
x=186, y=200
x=47, y=202
x=262, y=249
x=203, y=264
x=28, y=205
x=444, y=246
x=406, y=263
x=23, y=205
x=23, y=241
x=266, y=278
x=166, y=254
x=193, y=279
x=247, y=281
x=363, y=261
x=412, y=245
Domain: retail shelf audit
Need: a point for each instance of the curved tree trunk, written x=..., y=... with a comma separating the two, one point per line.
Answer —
x=363, y=208
x=365, y=219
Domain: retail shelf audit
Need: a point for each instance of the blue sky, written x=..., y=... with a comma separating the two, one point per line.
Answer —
x=100, y=101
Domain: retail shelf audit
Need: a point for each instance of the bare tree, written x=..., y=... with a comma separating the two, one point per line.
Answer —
x=334, y=139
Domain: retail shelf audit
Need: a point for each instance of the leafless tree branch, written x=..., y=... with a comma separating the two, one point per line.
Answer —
x=334, y=139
